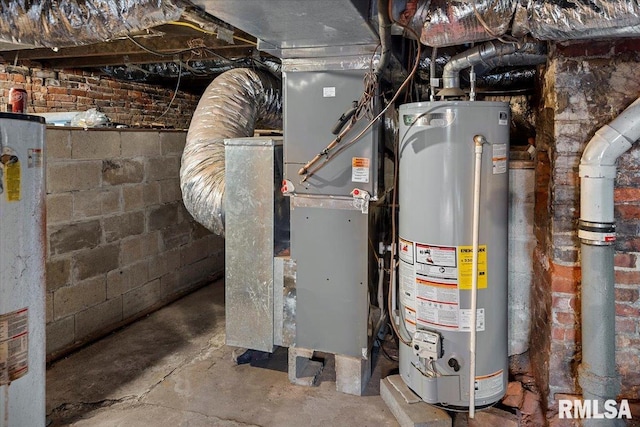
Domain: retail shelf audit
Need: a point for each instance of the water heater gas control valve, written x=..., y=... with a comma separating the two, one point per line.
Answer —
x=427, y=344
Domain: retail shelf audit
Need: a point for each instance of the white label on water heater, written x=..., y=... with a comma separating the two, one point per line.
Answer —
x=499, y=158
x=329, y=92
x=465, y=319
x=489, y=385
x=14, y=345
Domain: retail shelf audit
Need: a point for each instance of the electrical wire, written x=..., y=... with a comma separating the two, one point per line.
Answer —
x=214, y=33
x=308, y=173
x=503, y=39
x=175, y=92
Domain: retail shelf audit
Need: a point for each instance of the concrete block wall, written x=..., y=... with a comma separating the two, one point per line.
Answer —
x=129, y=103
x=119, y=240
x=585, y=87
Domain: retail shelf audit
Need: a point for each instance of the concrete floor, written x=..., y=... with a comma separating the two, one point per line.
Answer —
x=173, y=369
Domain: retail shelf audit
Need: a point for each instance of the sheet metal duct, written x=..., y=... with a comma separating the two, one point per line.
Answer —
x=78, y=22
x=230, y=107
x=305, y=28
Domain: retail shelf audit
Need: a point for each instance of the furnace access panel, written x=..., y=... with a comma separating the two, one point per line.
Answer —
x=314, y=101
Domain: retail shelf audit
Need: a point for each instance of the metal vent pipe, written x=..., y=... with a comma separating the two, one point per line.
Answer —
x=230, y=107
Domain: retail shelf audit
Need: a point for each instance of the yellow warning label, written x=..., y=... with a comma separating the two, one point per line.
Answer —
x=465, y=263
x=12, y=179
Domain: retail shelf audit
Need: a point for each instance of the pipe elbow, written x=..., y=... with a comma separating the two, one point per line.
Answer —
x=599, y=157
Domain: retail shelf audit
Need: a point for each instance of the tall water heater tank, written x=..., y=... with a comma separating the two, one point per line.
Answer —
x=22, y=267
x=436, y=189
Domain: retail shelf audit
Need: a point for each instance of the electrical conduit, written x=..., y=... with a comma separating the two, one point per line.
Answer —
x=597, y=373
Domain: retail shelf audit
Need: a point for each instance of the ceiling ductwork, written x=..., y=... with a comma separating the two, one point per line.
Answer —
x=54, y=24
x=444, y=23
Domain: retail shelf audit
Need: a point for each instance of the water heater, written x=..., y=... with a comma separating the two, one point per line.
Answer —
x=22, y=271
x=436, y=198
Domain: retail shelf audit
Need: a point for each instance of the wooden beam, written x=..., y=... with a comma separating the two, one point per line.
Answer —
x=107, y=59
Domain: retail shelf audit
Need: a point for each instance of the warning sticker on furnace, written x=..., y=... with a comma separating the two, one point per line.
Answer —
x=465, y=258
x=360, y=169
x=14, y=345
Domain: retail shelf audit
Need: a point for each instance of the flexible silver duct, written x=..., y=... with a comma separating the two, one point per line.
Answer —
x=572, y=19
x=230, y=107
x=452, y=23
x=78, y=22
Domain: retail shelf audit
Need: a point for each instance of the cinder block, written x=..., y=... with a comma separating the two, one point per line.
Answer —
x=121, y=226
x=60, y=334
x=95, y=144
x=169, y=284
x=58, y=144
x=58, y=273
x=195, y=273
x=139, y=247
x=352, y=374
x=133, y=197
x=163, y=216
x=141, y=298
x=127, y=278
x=83, y=235
x=73, y=176
x=170, y=190
x=59, y=207
x=151, y=193
x=72, y=299
x=302, y=370
x=176, y=235
x=96, y=261
x=172, y=142
x=140, y=143
x=98, y=317
x=122, y=171
x=110, y=200
x=419, y=414
x=86, y=204
x=163, y=168
x=163, y=263
x=49, y=307
x=193, y=252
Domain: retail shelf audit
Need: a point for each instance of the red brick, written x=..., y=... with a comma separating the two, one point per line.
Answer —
x=564, y=303
x=628, y=211
x=624, y=324
x=557, y=333
x=627, y=277
x=565, y=279
x=531, y=403
x=625, y=310
x=627, y=194
x=515, y=395
x=626, y=295
x=566, y=318
x=625, y=260
x=57, y=90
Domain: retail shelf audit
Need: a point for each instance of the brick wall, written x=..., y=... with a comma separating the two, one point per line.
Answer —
x=119, y=240
x=585, y=87
x=132, y=104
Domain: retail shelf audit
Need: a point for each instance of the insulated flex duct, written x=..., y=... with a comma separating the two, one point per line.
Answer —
x=63, y=23
x=452, y=23
x=573, y=19
x=230, y=107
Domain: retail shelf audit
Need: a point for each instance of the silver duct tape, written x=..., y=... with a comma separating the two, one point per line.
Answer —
x=63, y=23
x=508, y=78
x=452, y=23
x=571, y=19
x=231, y=107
